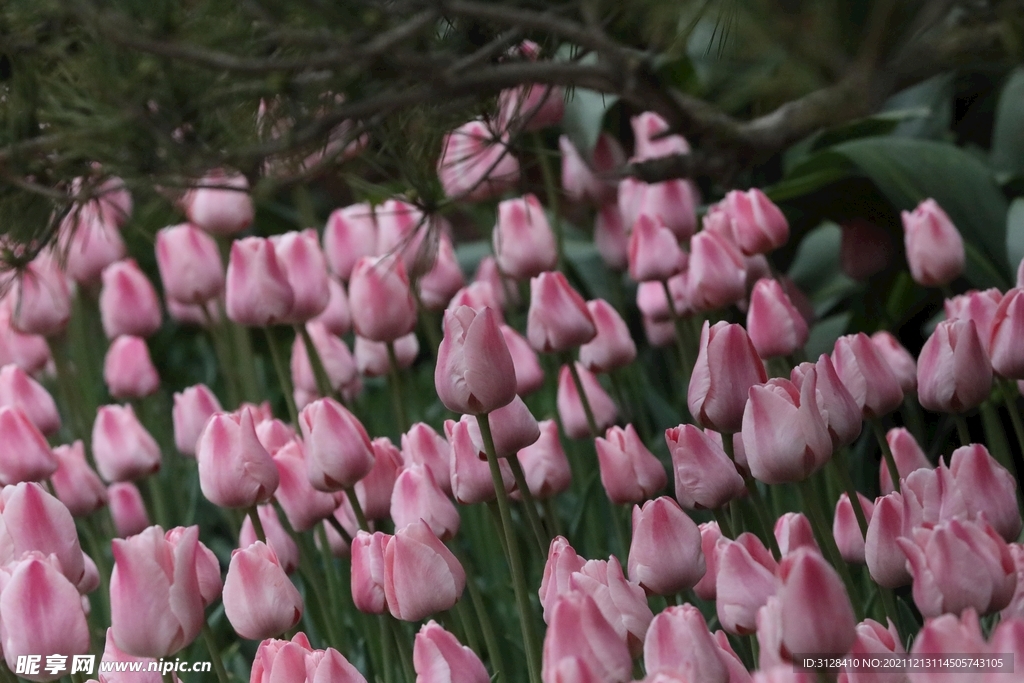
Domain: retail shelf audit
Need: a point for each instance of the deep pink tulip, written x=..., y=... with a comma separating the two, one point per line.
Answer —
x=19, y=390
x=438, y=657
x=128, y=302
x=665, y=555
x=235, y=471
x=372, y=358
x=613, y=347
x=476, y=163
x=127, y=509
x=91, y=242
x=277, y=538
x=629, y=472
x=746, y=579
x=220, y=203
x=192, y=408
x=35, y=520
x=259, y=599
x=579, y=177
x=570, y=407
x=717, y=274
x=1003, y=342
x=382, y=304
x=299, y=256
x=758, y=226
x=349, y=235
x=421, y=576
x=368, y=571
x=155, y=605
x=303, y=505
x=337, y=317
x=337, y=360
x=577, y=630
x=529, y=374
x=122, y=447
x=39, y=298
x=902, y=364
x=610, y=236
x=679, y=643
x=24, y=453
x=907, y=454
x=989, y=488
x=842, y=415
x=705, y=477
x=817, y=615
x=846, y=529
x=884, y=558
x=421, y=445
x=474, y=373
x=775, y=327
x=727, y=366
x=954, y=374
x=74, y=483
x=710, y=535
x=654, y=253
x=417, y=496
x=935, y=250
x=545, y=464
x=128, y=370
x=622, y=602
x=258, y=293
x=338, y=449
x=470, y=474
x=444, y=279
x=558, y=319
x=374, y=490
x=190, y=265
x=524, y=244
x=562, y=562
x=793, y=531
x=866, y=375
x=864, y=249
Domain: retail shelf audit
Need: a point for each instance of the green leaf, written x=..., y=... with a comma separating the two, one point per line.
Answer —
x=824, y=334
x=1015, y=231
x=814, y=172
x=587, y=264
x=815, y=268
x=935, y=96
x=1008, y=131
x=584, y=114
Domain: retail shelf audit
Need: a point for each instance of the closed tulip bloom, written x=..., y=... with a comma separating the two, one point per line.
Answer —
x=979, y=306
x=843, y=416
x=235, y=471
x=793, y=531
x=490, y=287
x=717, y=274
x=372, y=359
x=562, y=562
x=654, y=253
x=40, y=301
x=665, y=555
x=622, y=602
x=337, y=360
x=705, y=477
x=338, y=449
x=480, y=294
x=902, y=364
x=629, y=472
x=529, y=374
x=281, y=659
x=570, y=407
x=476, y=163
x=673, y=202
x=128, y=370
x=960, y=632
x=155, y=605
x=784, y=436
x=678, y=642
x=112, y=654
x=220, y=203
x=558, y=319
x=258, y=293
x=123, y=449
x=817, y=616
x=610, y=236
x=416, y=496
x=935, y=249
x=959, y=564
x=401, y=229
x=190, y=265
x=746, y=579
x=866, y=375
x=24, y=453
x=1003, y=343
x=421, y=576
x=954, y=374
x=613, y=347
x=303, y=505
x=710, y=535
x=775, y=327
x=758, y=226
x=128, y=302
x=30, y=352
x=274, y=434
x=374, y=490
x=330, y=666
x=470, y=474
x=19, y=390
x=727, y=366
x=544, y=463
x=529, y=107
x=438, y=657
x=653, y=302
x=474, y=373
x=91, y=242
x=872, y=638
x=278, y=539
x=907, y=454
x=524, y=244
x=990, y=488
x=444, y=279
x=42, y=615
x=349, y=235
x=421, y=445
x=259, y=599
x=336, y=318
x=579, y=177
x=577, y=629
x=32, y=519
x=74, y=483
x=305, y=268
x=883, y=556
x=383, y=308
x=846, y=529
x=192, y=408
x=127, y=509
x=368, y=571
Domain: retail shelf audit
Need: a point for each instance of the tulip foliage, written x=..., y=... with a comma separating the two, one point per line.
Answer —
x=556, y=428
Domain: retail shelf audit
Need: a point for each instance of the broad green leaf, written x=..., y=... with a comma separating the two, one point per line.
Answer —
x=814, y=172
x=824, y=334
x=1015, y=232
x=1008, y=132
x=815, y=268
x=584, y=114
x=934, y=95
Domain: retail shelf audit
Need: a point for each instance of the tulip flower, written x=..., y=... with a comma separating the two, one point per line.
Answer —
x=258, y=293
x=610, y=236
x=374, y=490
x=305, y=267
x=303, y=505
x=470, y=474
x=846, y=530
x=416, y=496
x=30, y=352
x=192, y=408
x=478, y=295
x=336, y=359
x=401, y=229
x=490, y=286
x=817, y=616
x=577, y=630
x=1003, y=343
x=629, y=472
x=190, y=265
x=793, y=531
x=775, y=327
x=476, y=163
x=673, y=202
x=884, y=558
x=277, y=538
x=866, y=375
x=259, y=599
x=727, y=366
x=558, y=319
x=529, y=374
x=746, y=579
x=24, y=453
x=613, y=347
x=665, y=555
x=349, y=235
x=524, y=244
x=544, y=463
x=220, y=203
x=128, y=302
x=113, y=656
x=710, y=535
x=40, y=301
x=907, y=454
x=382, y=304
x=717, y=274
x=902, y=364
x=951, y=632
x=562, y=562
x=281, y=659
x=19, y=390
x=128, y=370
x=368, y=571
x=474, y=372
x=337, y=317
x=122, y=447
x=622, y=602
x=421, y=576
x=74, y=483
x=372, y=359
x=935, y=250
x=954, y=374
x=235, y=471
x=33, y=520
x=654, y=253
x=989, y=487
x=529, y=107
x=570, y=406
x=91, y=242
x=438, y=657
x=872, y=639
x=338, y=449
x=579, y=177
x=127, y=509
x=758, y=226
x=705, y=477
x=1015, y=610
x=679, y=643
x=421, y=445
x=444, y=279
x=842, y=415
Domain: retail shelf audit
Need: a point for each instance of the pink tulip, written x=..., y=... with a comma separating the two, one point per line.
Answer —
x=278, y=539
x=128, y=302
x=846, y=530
x=935, y=250
x=654, y=253
x=665, y=555
x=339, y=546
x=529, y=374
x=979, y=307
x=578, y=631
x=613, y=347
x=444, y=279
x=192, y=408
x=710, y=535
x=438, y=657
x=746, y=579
x=383, y=308
x=580, y=179
x=374, y=490
x=793, y=531
x=524, y=244
x=327, y=666
x=727, y=366
x=490, y=287
x=281, y=659
x=610, y=236
x=705, y=477
x=530, y=107
x=902, y=364
x=43, y=615
x=259, y=599
x=336, y=318
x=476, y=163
x=570, y=406
x=470, y=472
x=34, y=520
x=123, y=449
x=544, y=463
x=74, y=483
x=220, y=203
x=884, y=558
x=303, y=505
x=19, y=390
x=24, y=453
x=673, y=202
x=872, y=639
x=775, y=327
x=421, y=576
x=1003, y=340
x=372, y=358
x=475, y=373
x=653, y=302
x=91, y=242
x=629, y=472
x=274, y=434
x=558, y=319
x=368, y=571
x=946, y=635
x=622, y=602
x=717, y=272
x=127, y=509
x=817, y=616
x=1015, y=610
x=299, y=256
x=990, y=488
x=258, y=291
x=39, y=298
x=478, y=295
x=954, y=374
x=349, y=235
x=155, y=605
x=113, y=655
x=866, y=375
x=401, y=229
x=659, y=333
x=128, y=370
x=336, y=359
x=338, y=449
x=562, y=562
x=235, y=471
x=679, y=643
x=194, y=315
x=758, y=226
x=190, y=265
x=907, y=454
x=842, y=415
x=421, y=445
x=417, y=496
x=864, y=250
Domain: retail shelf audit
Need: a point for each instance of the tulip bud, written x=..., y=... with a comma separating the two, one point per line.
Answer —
x=884, y=558
x=24, y=453
x=629, y=472
x=902, y=364
x=705, y=477
x=156, y=608
x=192, y=408
x=775, y=327
x=478, y=295
x=474, y=372
x=529, y=374
x=613, y=347
x=334, y=356
x=470, y=474
x=368, y=571
x=259, y=599
x=717, y=272
x=530, y=107
x=490, y=287
x=190, y=265
x=951, y=632
x=128, y=370
x=91, y=242
x=374, y=490
x=872, y=638
x=438, y=657
x=907, y=454
x=235, y=471
x=128, y=302
x=123, y=449
x=281, y=659
x=990, y=488
x=561, y=563
x=866, y=375
x=558, y=319
x=524, y=244
x=19, y=390
x=383, y=308
x=665, y=555
x=194, y=315
x=30, y=352
x=305, y=268
x=935, y=250
x=349, y=235
x=258, y=293
x=679, y=642
x=220, y=204
x=444, y=279
x=40, y=301
x=336, y=318
x=610, y=236
x=580, y=179
x=1003, y=342
x=421, y=445
x=746, y=579
x=74, y=482
x=544, y=463
x=34, y=520
x=127, y=509
x=710, y=535
x=416, y=496
x=817, y=616
x=338, y=449
x=113, y=656
x=654, y=253
x=846, y=529
x=793, y=531
x=277, y=538
x=727, y=366
x=372, y=358
x=758, y=226
x=954, y=374
x=570, y=406
x=838, y=408
x=303, y=505
x=673, y=202
x=622, y=602
x=476, y=163
x=577, y=630
x=421, y=576
x=1015, y=610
